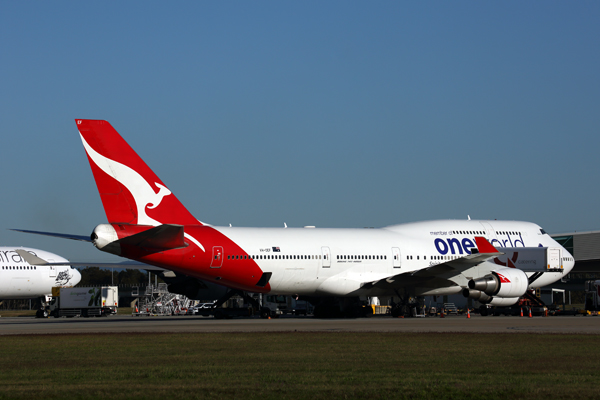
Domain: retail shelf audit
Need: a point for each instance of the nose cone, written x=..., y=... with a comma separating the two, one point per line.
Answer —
x=76, y=276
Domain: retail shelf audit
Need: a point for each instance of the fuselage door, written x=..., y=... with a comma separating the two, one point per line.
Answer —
x=396, y=257
x=52, y=270
x=217, y=257
x=326, y=257
x=490, y=232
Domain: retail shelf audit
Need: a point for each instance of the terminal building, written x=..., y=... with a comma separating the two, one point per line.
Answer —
x=585, y=248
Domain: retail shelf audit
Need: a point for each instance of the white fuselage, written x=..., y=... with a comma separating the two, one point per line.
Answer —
x=20, y=280
x=311, y=261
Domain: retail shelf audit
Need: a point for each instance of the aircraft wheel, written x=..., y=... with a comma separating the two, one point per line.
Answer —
x=219, y=314
x=367, y=311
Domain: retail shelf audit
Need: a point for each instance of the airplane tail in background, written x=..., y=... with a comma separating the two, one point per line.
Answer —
x=131, y=193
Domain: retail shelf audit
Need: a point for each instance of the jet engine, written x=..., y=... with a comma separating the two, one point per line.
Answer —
x=485, y=299
x=503, y=301
x=477, y=295
x=505, y=282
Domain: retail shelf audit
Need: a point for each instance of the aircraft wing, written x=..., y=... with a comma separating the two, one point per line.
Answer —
x=35, y=260
x=437, y=276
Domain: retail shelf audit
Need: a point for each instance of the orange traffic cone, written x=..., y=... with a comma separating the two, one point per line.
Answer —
x=442, y=314
x=530, y=316
x=521, y=311
x=136, y=309
x=468, y=313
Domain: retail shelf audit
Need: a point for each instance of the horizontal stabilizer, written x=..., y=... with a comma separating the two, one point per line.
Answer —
x=160, y=238
x=59, y=235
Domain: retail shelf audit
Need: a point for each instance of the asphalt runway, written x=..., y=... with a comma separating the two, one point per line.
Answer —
x=193, y=324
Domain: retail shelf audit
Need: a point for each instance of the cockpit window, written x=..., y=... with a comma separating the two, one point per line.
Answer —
x=543, y=231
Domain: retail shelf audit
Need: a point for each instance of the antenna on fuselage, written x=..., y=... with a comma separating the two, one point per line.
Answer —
x=469, y=217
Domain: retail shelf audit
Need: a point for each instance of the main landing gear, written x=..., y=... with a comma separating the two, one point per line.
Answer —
x=221, y=313
x=42, y=312
x=407, y=307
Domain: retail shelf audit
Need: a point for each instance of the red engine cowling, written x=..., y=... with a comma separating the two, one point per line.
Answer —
x=505, y=282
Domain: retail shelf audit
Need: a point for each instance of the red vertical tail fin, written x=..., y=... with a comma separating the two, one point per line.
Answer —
x=131, y=193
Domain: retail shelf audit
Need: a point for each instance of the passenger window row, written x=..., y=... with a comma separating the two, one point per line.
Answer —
x=275, y=257
x=435, y=257
x=508, y=233
x=21, y=267
x=362, y=257
x=483, y=233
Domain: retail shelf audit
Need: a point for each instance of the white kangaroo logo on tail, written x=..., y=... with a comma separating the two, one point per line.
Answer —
x=139, y=188
x=143, y=194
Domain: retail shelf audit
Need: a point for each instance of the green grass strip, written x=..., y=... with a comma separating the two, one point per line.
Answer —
x=300, y=366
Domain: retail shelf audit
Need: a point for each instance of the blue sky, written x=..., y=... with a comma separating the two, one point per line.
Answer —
x=334, y=114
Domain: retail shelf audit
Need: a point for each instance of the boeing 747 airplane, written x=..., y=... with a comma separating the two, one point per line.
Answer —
x=493, y=262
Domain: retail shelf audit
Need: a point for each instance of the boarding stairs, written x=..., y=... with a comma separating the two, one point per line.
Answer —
x=157, y=300
x=450, y=308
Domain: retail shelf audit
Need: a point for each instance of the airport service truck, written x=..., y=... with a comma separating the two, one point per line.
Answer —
x=273, y=305
x=84, y=301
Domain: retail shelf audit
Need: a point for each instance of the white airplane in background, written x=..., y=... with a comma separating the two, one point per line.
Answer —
x=494, y=262
x=22, y=280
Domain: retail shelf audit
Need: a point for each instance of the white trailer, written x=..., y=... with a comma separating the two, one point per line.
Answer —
x=531, y=259
x=84, y=301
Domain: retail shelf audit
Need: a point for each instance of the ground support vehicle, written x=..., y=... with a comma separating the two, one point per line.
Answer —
x=199, y=308
x=592, y=295
x=380, y=310
x=280, y=305
x=84, y=301
x=224, y=312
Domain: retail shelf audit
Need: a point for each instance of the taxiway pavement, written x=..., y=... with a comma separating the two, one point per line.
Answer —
x=193, y=324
